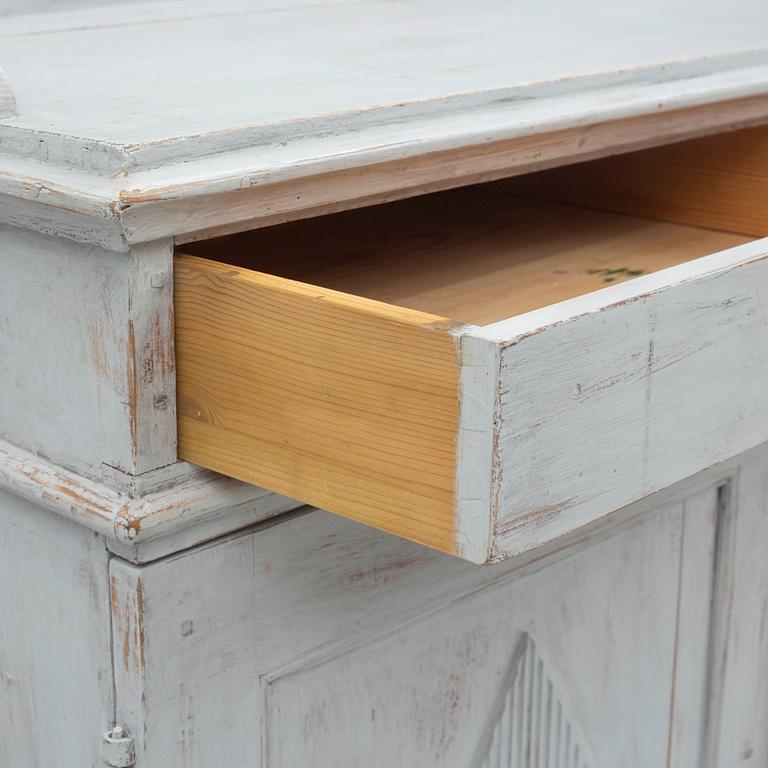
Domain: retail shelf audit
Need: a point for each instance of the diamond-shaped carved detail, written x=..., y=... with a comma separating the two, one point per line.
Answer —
x=529, y=726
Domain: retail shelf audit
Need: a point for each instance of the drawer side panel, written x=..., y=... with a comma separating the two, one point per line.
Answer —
x=344, y=403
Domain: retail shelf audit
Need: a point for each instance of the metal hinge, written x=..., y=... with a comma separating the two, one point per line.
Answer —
x=117, y=748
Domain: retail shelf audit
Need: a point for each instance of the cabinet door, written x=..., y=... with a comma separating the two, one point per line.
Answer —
x=319, y=642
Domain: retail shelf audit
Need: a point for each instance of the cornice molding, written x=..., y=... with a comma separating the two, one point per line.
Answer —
x=196, y=502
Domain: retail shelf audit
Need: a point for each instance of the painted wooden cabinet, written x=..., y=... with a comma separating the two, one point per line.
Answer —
x=378, y=392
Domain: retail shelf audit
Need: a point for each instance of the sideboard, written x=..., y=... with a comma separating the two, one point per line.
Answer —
x=383, y=384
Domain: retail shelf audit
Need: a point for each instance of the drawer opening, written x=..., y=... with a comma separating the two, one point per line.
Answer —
x=481, y=254
x=347, y=360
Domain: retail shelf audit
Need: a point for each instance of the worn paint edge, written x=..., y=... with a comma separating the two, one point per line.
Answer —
x=478, y=381
x=636, y=89
x=191, y=498
x=227, y=190
x=7, y=99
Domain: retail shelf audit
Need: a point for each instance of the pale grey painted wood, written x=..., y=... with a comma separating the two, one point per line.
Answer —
x=529, y=724
x=614, y=395
x=86, y=353
x=737, y=734
x=7, y=99
x=151, y=357
x=64, y=351
x=305, y=640
x=151, y=157
x=379, y=71
x=227, y=651
x=142, y=517
x=376, y=651
x=55, y=643
x=703, y=521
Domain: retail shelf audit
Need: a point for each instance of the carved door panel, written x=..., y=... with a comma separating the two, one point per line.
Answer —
x=596, y=661
x=318, y=643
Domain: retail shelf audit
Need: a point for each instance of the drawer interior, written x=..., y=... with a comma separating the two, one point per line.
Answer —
x=481, y=254
x=475, y=255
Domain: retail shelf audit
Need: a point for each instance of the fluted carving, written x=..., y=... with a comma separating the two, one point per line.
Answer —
x=529, y=726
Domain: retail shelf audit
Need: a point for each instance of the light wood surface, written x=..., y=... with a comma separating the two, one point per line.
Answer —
x=719, y=182
x=477, y=255
x=337, y=401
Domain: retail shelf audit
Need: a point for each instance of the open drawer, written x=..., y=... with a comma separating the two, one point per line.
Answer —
x=485, y=369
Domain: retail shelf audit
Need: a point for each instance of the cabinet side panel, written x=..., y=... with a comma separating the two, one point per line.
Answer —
x=63, y=347
x=340, y=402
x=55, y=650
x=86, y=353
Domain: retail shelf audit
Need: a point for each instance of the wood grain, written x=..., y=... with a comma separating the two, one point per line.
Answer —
x=477, y=255
x=338, y=401
x=719, y=182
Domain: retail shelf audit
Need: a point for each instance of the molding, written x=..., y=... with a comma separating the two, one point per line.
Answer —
x=262, y=185
x=7, y=99
x=186, y=506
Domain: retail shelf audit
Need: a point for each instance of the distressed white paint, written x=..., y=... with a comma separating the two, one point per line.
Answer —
x=474, y=451
x=705, y=518
x=7, y=99
x=163, y=512
x=738, y=710
x=152, y=158
x=529, y=723
x=56, y=695
x=609, y=397
x=377, y=652
x=378, y=72
x=86, y=352
x=311, y=640
x=64, y=351
x=151, y=357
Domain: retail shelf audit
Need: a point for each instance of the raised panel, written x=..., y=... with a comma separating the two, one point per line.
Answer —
x=318, y=642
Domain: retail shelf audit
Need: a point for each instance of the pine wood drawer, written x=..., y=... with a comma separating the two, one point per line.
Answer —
x=486, y=369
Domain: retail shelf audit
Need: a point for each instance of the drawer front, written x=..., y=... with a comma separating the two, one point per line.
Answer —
x=613, y=396
x=489, y=437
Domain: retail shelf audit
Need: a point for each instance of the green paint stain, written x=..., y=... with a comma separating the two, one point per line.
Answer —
x=610, y=275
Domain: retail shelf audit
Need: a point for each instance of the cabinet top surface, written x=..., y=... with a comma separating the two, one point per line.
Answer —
x=190, y=90
x=138, y=73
